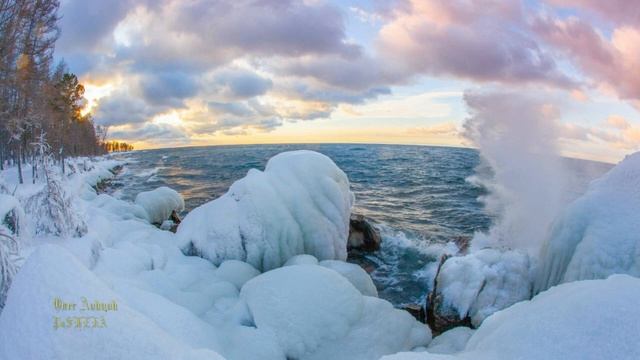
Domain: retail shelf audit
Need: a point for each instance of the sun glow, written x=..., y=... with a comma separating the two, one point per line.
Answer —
x=93, y=93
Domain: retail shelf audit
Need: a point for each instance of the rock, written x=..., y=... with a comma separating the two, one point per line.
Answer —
x=363, y=235
x=417, y=311
x=439, y=316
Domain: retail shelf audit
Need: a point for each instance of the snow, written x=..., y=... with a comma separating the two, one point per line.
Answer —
x=317, y=314
x=303, y=259
x=160, y=203
x=236, y=272
x=582, y=320
x=300, y=204
x=50, y=273
x=450, y=341
x=598, y=234
x=355, y=274
x=485, y=281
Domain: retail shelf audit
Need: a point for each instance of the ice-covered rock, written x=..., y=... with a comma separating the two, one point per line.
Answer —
x=49, y=331
x=598, y=234
x=317, y=314
x=236, y=272
x=160, y=203
x=581, y=320
x=355, y=274
x=303, y=259
x=300, y=204
x=480, y=283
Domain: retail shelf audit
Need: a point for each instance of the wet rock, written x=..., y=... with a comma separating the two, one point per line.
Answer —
x=363, y=236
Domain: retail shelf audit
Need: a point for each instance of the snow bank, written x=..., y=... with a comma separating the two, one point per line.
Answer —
x=236, y=272
x=582, y=320
x=355, y=274
x=485, y=281
x=52, y=273
x=317, y=314
x=598, y=234
x=160, y=203
x=451, y=341
x=300, y=204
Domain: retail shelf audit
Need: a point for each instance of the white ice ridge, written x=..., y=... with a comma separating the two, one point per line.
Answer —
x=160, y=203
x=581, y=320
x=599, y=233
x=300, y=204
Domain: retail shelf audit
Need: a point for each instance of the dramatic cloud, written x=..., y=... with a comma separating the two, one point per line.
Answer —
x=481, y=40
x=203, y=69
x=614, y=62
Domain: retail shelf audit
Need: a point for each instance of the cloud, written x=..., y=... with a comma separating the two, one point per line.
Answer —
x=168, y=89
x=151, y=131
x=613, y=61
x=121, y=108
x=619, y=11
x=241, y=83
x=483, y=41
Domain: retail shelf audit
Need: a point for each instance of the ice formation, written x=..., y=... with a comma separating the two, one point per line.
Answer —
x=160, y=203
x=591, y=319
x=317, y=314
x=597, y=235
x=300, y=204
x=485, y=281
x=355, y=274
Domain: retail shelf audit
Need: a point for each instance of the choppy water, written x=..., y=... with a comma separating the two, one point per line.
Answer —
x=417, y=194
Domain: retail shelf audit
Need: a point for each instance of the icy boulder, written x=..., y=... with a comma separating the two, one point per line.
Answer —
x=582, y=320
x=33, y=325
x=598, y=235
x=478, y=284
x=317, y=314
x=300, y=204
x=236, y=272
x=355, y=274
x=160, y=203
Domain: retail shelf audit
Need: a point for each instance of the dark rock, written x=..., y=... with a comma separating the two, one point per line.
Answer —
x=439, y=316
x=363, y=235
x=175, y=218
x=417, y=311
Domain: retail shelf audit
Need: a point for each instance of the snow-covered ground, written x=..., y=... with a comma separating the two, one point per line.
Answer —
x=174, y=306
x=89, y=276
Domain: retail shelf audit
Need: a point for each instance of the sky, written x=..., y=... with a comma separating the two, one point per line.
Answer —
x=166, y=73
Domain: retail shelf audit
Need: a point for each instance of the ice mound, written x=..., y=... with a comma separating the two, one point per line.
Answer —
x=483, y=282
x=597, y=235
x=591, y=319
x=300, y=204
x=160, y=203
x=451, y=341
x=355, y=274
x=317, y=314
x=236, y=272
x=50, y=273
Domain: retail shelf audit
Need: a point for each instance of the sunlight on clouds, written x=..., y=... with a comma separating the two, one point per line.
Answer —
x=93, y=93
x=427, y=106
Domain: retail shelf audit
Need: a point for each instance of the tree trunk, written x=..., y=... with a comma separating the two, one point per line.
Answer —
x=21, y=180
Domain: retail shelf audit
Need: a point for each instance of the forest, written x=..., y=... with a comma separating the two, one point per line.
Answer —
x=41, y=102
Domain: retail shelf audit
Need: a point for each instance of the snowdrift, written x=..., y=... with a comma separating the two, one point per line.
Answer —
x=160, y=203
x=300, y=204
x=591, y=319
x=317, y=314
x=27, y=323
x=598, y=235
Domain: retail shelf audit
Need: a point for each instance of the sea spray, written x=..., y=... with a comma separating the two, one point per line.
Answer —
x=517, y=137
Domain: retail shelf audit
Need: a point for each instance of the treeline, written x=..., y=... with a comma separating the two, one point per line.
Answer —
x=115, y=146
x=38, y=100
